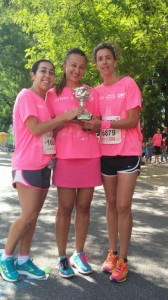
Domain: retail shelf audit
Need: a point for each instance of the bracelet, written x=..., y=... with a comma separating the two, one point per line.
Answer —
x=105, y=124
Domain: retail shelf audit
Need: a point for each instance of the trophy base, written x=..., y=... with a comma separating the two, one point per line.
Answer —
x=84, y=117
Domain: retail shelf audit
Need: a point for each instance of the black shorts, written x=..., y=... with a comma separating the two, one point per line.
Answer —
x=157, y=150
x=111, y=165
x=32, y=178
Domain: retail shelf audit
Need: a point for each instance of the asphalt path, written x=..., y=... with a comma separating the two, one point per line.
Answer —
x=148, y=255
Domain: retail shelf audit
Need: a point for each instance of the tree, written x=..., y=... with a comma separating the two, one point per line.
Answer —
x=50, y=28
x=13, y=73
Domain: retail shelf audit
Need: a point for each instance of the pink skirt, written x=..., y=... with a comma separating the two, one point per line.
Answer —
x=77, y=173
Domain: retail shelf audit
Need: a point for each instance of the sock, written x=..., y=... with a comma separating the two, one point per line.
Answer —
x=124, y=259
x=77, y=252
x=62, y=257
x=22, y=258
x=5, y=256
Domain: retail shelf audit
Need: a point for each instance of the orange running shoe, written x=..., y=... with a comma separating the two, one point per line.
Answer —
x=110, y=262
x=120, y=272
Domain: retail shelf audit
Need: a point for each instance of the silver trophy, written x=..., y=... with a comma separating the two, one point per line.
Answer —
x=82, y=93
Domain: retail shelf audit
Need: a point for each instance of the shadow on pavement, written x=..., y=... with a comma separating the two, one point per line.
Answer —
x=148, y=275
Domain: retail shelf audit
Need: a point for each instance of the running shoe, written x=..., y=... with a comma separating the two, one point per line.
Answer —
x=8, y=270
x=65, y=270
x=79, y=261
x=110, y=262
x=30, y=269
x=120, y=272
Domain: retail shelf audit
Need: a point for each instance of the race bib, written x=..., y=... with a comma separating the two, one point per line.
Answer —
x=110, y=136
x=48, y=143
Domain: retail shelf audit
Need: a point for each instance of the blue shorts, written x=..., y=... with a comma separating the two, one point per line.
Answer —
x=111, y=165
x=39, y=179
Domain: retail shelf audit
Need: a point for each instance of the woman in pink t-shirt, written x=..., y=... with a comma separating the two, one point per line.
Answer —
x=77, y=169
x=120, y=144
x=32, y=161
x=157, y=142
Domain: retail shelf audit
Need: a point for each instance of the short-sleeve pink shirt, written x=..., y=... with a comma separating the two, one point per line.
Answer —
x=72, y=141
x=116, y=100
x=157, y=139
x=28, y=154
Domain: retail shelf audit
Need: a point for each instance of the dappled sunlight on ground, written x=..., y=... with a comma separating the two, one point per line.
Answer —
x=148, y=273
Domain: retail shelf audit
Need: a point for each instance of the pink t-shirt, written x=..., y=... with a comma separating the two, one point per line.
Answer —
x=114, y=102
x=157, y=139
x=28, y=154
x=71, y=140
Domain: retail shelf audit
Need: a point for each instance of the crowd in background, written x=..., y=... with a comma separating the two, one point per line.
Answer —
x=155, y=149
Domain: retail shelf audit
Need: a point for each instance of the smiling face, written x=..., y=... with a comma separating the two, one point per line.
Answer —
x=74, y=68
x=43, y=78
x=105, y=62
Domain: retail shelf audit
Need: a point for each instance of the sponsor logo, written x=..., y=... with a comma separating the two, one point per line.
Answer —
x=110, y=96
x=121, y=95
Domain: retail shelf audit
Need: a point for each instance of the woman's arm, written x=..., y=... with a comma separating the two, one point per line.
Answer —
x=130, y=122
x=38, y=128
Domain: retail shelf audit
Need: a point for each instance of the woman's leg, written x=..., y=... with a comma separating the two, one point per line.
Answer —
x=31, y=202
x=164, y=155
x=82, y=219
x=66, y=200
x=25, y=242
x=110, y=188
x=82, y=216
x=125, y=189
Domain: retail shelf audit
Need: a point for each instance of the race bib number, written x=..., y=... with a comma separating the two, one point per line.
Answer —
x=48, y=143
x=110, y=136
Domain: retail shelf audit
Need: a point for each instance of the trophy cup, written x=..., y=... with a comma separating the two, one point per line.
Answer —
x=82, y=93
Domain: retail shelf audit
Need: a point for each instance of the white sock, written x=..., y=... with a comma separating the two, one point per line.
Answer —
x=5, y=256
x=22, y=258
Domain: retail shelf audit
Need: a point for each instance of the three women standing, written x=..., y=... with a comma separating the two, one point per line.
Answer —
x=77, y=169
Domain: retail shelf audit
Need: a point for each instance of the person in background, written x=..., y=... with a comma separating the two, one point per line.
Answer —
x=143, y=148
x=121, y=149
x=165, y=137
x=149, y=150
x=163, y=150
x=77, y=169
x=165, y=134
x=157, y=140
x=32, y=161
x=143, y=153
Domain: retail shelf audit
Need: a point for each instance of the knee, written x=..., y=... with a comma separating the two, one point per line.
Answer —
x=83, y=209
x=29, y=220
x=123, y=209
x=111, y=204
x=64, y=211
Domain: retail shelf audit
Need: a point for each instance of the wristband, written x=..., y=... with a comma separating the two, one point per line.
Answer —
x=105, y=124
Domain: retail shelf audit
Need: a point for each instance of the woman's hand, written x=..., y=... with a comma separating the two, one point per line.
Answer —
x=73, y=113
x=92, y=125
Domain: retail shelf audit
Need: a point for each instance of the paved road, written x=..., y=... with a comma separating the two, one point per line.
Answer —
x=148, y=275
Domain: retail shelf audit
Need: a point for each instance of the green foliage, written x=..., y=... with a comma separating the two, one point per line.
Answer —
x=35, y=29
x=13, y=73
